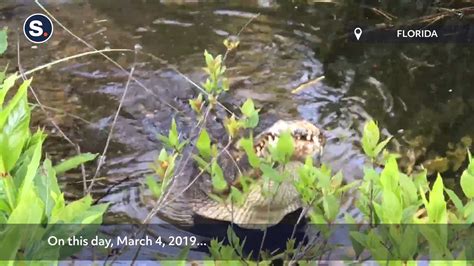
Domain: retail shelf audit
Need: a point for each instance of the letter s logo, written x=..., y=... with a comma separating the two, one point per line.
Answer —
x=38, y=28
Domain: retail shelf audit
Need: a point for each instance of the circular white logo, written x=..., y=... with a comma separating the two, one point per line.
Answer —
x=38, y=28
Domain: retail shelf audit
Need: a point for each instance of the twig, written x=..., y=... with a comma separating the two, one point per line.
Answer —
x=300, y=217
x=31, y=71
x=112, y=127
x=383, y=13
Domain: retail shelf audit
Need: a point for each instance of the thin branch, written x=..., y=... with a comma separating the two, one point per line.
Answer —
x=55, y=62
x=112, y=127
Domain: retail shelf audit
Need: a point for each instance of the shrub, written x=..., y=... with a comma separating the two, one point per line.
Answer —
x=31, y=202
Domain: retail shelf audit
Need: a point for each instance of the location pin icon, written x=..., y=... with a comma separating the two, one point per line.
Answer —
x=357, y=33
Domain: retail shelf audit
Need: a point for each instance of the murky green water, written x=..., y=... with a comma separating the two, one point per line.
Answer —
x=421, y=94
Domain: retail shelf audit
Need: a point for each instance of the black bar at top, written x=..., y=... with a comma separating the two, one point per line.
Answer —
x=415, y=34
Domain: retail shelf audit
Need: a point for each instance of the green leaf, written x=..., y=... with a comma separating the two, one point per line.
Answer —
x=392, y=208
x=163, y=156
x=209, y=59
x=21, y=166
x=7, y=85
x=232, y=126
x=233, y=238
x=271, y=173
x=469, y=212
x=409, y=245
x=201, y=163
x=153, y=186
x=27, y=184
x=74, y=162
x=437, y=205
x=390, y=177
x=251, y=118
x=323, y=178
x=409, y=191
x=173, y=134
x=421, y=181
x=15, y=239
x=47, y=185
x=247, y=145
x=180, y=260
x=10, y=191
x=29, y=209
x=381, y=146
x=10, y=240
x=73, y=212
x=3, y=40
x=218, y=181
x=467, y=181
x=248, y=108
x=317, y=218
x=252, y=121
x=5, y=208
x=204, y=145
x=236, y=196
x=358, y=241
x=359, y=237
x=163, y=140
x=455, y=199
x=374, y=244
x=370, y=138
x=18, y=99
x=331, y=207
x=14, y=129
x=437, y=244
x=93, y=215
x=284, y=148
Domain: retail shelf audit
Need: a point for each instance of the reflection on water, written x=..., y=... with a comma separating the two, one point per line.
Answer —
x=420, y=94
